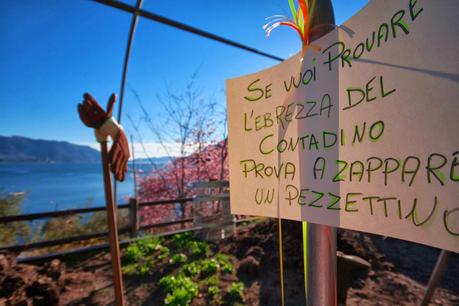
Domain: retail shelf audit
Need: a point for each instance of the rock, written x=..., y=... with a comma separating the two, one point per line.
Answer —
x=249, y=266
x=66, y=289
x=54, y=270
x=3, y=275
x=21, y=303
x=7, y=261
x=43, y=292
x=39, y=301
x=255, y=251
x=351, y=269
x=10, y=285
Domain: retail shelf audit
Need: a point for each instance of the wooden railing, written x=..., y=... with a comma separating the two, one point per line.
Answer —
x=133, y=228
x=194, y=223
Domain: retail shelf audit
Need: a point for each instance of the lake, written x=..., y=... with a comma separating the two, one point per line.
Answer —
x=58, y=186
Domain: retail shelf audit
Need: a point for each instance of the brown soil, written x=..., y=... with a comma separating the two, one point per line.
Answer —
x=396, y=275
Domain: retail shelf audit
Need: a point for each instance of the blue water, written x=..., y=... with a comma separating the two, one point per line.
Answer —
x=57, y=186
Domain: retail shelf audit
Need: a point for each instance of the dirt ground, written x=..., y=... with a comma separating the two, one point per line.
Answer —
x=392, y=272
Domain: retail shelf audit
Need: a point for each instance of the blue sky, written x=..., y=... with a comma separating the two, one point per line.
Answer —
x=53, y=51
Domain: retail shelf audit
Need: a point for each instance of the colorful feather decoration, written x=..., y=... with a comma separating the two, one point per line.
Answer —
x=301, y=22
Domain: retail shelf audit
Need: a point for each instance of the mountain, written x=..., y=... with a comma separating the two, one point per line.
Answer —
x=22, y=149
x=157, y=161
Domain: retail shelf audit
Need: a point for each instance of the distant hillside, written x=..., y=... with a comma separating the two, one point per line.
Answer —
x=157, y=161
x=22, y=149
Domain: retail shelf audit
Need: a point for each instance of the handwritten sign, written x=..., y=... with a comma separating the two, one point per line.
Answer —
x=363, y=134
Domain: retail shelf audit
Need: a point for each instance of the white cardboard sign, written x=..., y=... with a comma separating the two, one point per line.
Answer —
x=363, y=134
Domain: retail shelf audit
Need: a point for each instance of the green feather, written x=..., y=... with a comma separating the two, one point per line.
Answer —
x=311, y=12
x=300, y=21
x=293, y=9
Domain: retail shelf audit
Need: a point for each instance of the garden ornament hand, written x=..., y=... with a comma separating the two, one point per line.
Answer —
x=94, y=116
x=119, y=156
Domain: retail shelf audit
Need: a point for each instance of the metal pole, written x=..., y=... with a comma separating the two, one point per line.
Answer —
x=127, y=55
x=134, y=217
x=281, y=261
x=321, y=239
x=112, y=227
x=133, y=202
x=134, y=172
x=178, y=25
x=435, y=277
x=321, y=265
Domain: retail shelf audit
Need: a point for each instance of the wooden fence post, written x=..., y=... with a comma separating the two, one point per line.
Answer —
x=220, y=221
x=227, y=217
x=134, y=217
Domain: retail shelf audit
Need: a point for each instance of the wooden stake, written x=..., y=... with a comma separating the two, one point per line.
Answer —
x=112, y=228
x=305, y=258
x=281, y=261
x=435, y=277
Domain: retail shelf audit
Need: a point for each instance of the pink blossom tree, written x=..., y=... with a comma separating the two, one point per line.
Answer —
x=192, y=121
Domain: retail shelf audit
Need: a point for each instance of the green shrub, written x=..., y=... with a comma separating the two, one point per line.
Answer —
x=227, y=268
x=226, y=265
x=142, y=248
x=167, y=283
x=180, y=240
x=220, y=257
x=164, y=252
x=198, y=248
x=213, y=291
x=129, y=269
x=212, y=281
x=180, y=290
x=179, y=297
x=178, y=258
x=133, y=253
x=209, y=266
x=10, y=232
x=191, y=269
x=236, y=291
x=139, y=256
x=149, y=244
x=195, y=261
x=144, y=268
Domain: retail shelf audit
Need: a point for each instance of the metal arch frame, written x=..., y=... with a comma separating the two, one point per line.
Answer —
x=127, y=55
x=134, y=21
x=138, y=11
x=109, y=193
x=184, y=27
